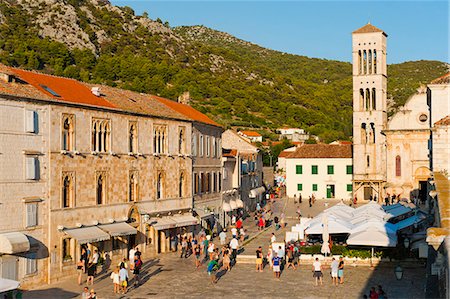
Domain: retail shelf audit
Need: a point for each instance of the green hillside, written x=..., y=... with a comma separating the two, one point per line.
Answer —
x=235, y=82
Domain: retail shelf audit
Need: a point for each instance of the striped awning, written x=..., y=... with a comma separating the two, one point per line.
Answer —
x=87, y=234
x=118, y=229
x=162, y=223
x=14, y=242
x=185, y=220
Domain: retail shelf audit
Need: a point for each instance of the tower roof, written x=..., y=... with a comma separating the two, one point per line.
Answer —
x=369, y=28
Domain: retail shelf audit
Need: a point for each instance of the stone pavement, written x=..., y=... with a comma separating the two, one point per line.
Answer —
x=168, y=276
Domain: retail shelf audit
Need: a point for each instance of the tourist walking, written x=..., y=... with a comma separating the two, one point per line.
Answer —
x=259, y=259
x=226, y=260
x=116, y=280
x=223, y=237
x=234, y=245
x=234, y=232
x=211, y=269
x=270, y=256
x=211, y=250
x=290, y=259
x=84, y=257
x=131, y=257
x=273, y=239
x=317, y=270
x=80, y=270
x=95, y=259
x=299, y=213
x=85, y=294
x=197, y=253
x=183, y=248
x=137, y=271
x=90, y=273
x=334, y=271
x=276, y=261
x=341, y=270
x=242, y=234
x=123, y=278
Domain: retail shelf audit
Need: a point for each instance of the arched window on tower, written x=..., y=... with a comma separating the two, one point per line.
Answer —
x=67, y=191
x=181, y=185
x=363, y=133
x=133, y=187
x=181, y=141
x=159, y=186
x=368, y=161
x=68, y=133
x=132, y=138
x=359, y=62
x=374, y=99
x=94, y=137
x=398, y=166
x=370, y=62
x=367, y=99
x=372, y=132
x=101, y=185
x=365, y=62
x=361, y=99
x=374, y=61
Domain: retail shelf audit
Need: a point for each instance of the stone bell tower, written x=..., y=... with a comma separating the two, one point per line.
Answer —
x=369, y=111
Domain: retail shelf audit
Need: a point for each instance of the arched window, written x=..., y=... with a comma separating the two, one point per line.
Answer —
x=365, y=62
x=132, y=138
x=374, y=99
x=372, y=133
x=361, y=99
x=367, y=99
x=363, y=133
x=100, y=137
x=67, y=191
x=181, y=141
x=181, y=185
x=214, y=182
x=133, y=188
x=94, y=137
x=159, y=186
x=214, y=147
x=68, y=133
x=101, y=133
x=374, y=61
x=370, y=62
x=398, y=166
x=359, y=62
x=194, y=144
x=368, y=161
x=101, y=185
x=201, y=146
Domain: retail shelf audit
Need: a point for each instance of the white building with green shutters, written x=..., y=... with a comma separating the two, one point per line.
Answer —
x=324, y=170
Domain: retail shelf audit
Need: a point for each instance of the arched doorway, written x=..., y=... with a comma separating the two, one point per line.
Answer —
x=421, y=177
x=134, y=219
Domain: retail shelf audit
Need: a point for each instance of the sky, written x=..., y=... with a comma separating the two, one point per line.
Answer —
x=417, y=30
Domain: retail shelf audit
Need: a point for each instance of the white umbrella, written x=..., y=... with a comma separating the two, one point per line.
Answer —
x=8, y=285
x=325, y=236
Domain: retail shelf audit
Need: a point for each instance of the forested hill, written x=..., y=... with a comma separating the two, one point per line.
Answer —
x=235, y=82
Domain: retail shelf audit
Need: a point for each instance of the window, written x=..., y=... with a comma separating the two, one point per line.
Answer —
x=367, y=99
x=314, y=187
x=67, y=143
x=219, y=183
x=368, y=161
x=330, y=169
x=31, y=121
x=196, y=184
x=194, y=144
x=374, y=61
x=132, y=138
x=361, y=99
x=49, y=90
x=372, y=133
x=349, y=188
x=363, y=134
x=160, y=139
x=32, y=211
x=66, y=249
x=299, y=187
x=32, y=168
x=30, y=264
x=201, y=146
x=159, y=186
x=214, y=147
x=67, y=190
x=349, y=169
x=101, y=188
x=133, y=187
x=202, y=183
x=208, y=145
x=370, y=62
x=314, y=169
x=181, y=141
x=359, y=62
x=298, y=169
x=207, y=182
x=101, y=134
x=181, y=185
x=374, y=99
x=219, y=147
x=398, y=166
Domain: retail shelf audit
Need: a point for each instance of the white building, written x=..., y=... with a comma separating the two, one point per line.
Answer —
x=251, y=136
x=321, y=169
x=293, y=134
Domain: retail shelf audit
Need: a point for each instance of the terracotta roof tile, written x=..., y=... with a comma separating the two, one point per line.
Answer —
x=187, y=111
x=322, y=151
x=442, y=80
x=443, y=121
x=250, y=133
x=229, y=152
x=369, y=28
x=284, y=154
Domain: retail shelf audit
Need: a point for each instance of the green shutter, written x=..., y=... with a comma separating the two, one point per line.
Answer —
x=349, y=169
x=314, y=187
x=330, y=169
x=349, y=187
x=298, y=169
x=299, y=187
x=314, y=169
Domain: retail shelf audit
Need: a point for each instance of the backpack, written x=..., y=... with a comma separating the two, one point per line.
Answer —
x=138, y=263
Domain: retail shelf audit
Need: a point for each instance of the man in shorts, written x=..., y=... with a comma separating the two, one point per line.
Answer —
x=211, y=269
x=334, y=271
x=317, y=271
x=259, y=259
x=276, y=262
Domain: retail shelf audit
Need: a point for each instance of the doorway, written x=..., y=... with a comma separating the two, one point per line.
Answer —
x=330, y=191
x=422, y=191
x=131, y=242
x=367, y=193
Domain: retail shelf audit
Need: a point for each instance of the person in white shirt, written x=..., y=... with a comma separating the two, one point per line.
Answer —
x=317, y=270
x=334, y=271
x=273, y=238
x=234, y=245
x=131, y=257
x=234, y=232
x=222, y=237
x=233, y=220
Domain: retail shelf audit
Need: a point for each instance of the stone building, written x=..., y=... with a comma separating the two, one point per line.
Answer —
x=251, y=136
x=242, y=174
x=206, y=163
x=83, y=165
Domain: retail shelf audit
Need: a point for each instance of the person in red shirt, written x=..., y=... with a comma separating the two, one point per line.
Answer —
x=239, y=224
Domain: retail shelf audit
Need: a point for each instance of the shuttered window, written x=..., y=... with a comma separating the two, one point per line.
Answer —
x=31, y=214
x=299, y=187
x=31, y=264
x=31, y=121
x=298, y=169
x=32, y=168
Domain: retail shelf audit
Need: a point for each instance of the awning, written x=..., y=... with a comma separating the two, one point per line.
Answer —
x=226, y=207
x=239, y=203
x=204, y=215
x=8, y=285
x=118, y=229
x=185, y=220
x=162, y=223
x=257, y=191
x=233, y=204
x=87, y=234
x=15, y=242
x=373, y=237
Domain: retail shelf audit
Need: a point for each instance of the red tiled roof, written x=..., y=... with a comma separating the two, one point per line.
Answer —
x=284, y=154
x=250, y=133
x=69, y=90
x=229, y=153
x=187, y=111
x=442, y=80
x=443, y=121
x=322, y=151
x=369, y=28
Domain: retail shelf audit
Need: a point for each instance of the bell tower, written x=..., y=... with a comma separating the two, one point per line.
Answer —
x=369, y=111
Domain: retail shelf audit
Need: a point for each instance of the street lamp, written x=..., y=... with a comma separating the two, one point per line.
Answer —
x=398, y=270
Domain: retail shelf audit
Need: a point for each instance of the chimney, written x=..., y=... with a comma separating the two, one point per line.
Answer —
x=96, y=91
x=184, y=98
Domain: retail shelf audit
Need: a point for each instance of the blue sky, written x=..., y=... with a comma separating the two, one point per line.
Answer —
x=416, y=29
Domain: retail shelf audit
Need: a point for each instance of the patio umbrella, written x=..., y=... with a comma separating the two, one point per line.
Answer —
x=8, y=285
x=325, y=236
